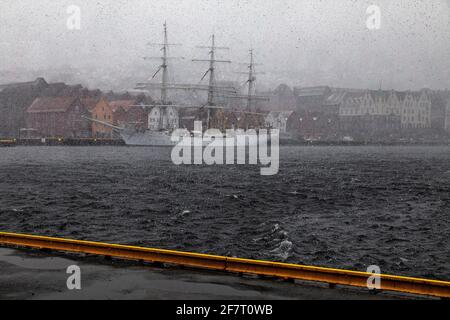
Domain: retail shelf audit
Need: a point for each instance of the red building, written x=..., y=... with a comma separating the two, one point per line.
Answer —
x=119, y=114
x=60, y=117
x=138, y=116
x=318, y=126
x=128, y=113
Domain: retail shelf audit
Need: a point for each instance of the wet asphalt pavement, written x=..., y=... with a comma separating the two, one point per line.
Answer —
x=36, y=275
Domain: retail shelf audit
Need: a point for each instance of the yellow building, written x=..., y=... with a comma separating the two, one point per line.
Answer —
x=102, y=111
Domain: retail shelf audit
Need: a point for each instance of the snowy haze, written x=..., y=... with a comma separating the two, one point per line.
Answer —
x=303, y=43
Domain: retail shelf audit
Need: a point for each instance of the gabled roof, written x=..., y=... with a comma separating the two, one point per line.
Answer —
x=277, y=114
x=416, y=94
x=283, y=90
x=335, y=98
x=189, y=112
x=59, y=104
x=90, y=103
x=401, y=95
x=311, y=91
x=439, y=99
x=379, y=94
x=355, y=95
x=125, y=104
x=37, y=82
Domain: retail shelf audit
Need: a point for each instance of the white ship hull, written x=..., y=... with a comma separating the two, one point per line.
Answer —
x=147, y=138
x=163, y=139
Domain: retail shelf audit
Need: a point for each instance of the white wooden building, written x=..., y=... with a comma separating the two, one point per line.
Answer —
x=278, y=120
x=163, y=118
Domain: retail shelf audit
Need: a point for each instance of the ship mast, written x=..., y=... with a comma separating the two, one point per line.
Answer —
x=164, y=66
x=165, y=86
x=251, y=80
x=164, y=78
x=212, y=77
x=212, y=88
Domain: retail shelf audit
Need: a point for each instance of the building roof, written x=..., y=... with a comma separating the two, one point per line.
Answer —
x=439, y=100
x=416, y=94
x=277, y=114
x=335, y=98
x=125, y=104
x=401, y=95
x=90, y=103
x=311, y=91
x=37, y=82
x=190, y=113
x=283, y=90
x=379, y=94
x=355, y=96
x=354, y=90
x=59, y=104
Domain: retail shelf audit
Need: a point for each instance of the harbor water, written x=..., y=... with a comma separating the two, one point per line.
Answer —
x=344, y=207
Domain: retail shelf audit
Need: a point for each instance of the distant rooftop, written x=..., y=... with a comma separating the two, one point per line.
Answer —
x=311, y=91
x=59, y=104
x=38, y=81
x=125, y=104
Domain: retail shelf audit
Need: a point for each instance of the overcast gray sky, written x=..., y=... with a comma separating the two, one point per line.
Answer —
x=300, y=42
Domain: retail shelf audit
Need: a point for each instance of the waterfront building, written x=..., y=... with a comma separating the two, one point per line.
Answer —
x=280, y=99
x=372, y=102
x=224, y=119
x=318, y=110
x=447, y=115
x=15, y=98
x=137, y=116
x=438, y=111
x=256, y=120
x=243, y=120
x=285, y=121
x=416, y=110
x=119, y=115
x=128, y=113
x=393, y=104
x=101, y=110
x=370, y=114
x=188, y=116
x=312, y=99
x=59, y=117
x=163, y=118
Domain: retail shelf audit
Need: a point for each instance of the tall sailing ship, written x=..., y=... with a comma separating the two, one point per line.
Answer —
x=162, y=136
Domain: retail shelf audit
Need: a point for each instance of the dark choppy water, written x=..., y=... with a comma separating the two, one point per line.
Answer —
x=328, y=206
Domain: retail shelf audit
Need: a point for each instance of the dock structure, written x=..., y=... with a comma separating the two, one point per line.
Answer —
x=65, y=142
x=8, y=142
x=389, y=283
